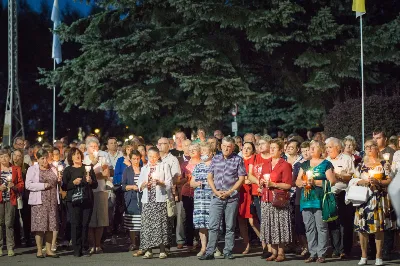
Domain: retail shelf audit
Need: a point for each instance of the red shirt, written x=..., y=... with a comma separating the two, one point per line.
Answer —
x=257, y=163
x=282, y=173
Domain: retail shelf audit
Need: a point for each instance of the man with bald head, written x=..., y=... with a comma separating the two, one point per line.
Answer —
x=341, y=230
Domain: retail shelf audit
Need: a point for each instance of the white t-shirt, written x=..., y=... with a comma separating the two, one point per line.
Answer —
x=342, y=162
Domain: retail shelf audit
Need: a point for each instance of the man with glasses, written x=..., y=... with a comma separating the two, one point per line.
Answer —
x=173, y=164
x=19, y=144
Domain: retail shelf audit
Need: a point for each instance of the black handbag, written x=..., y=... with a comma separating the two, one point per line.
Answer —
x=78, y=196
x=253, y=208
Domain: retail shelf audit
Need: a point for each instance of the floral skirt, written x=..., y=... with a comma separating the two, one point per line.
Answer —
x=376, y=215
x=276, y=225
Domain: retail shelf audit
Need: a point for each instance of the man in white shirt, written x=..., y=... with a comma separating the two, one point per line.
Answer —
x=341, y=230
x=173, y=164
x=19, y=143
x=112, y=150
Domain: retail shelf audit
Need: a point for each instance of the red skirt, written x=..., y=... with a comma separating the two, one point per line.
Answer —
x=245, y=202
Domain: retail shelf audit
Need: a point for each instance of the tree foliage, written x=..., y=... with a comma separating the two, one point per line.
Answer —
x=162, y=63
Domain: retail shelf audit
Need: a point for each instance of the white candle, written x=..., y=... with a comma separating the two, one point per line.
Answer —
x=60, y=168
x=309, y=174
x=9, y=178
x=87, y=168
x=95, y=153
x=267, y=177
x=386, y=156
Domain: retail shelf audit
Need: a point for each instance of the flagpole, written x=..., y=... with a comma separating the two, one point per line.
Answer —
x=362, y=83
x=54, y=106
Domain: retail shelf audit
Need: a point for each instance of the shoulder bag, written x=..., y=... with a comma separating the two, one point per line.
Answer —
x=329, y=206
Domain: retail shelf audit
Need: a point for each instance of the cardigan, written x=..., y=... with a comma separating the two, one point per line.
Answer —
x=163, y=174
x=132, y=198
x=34, y=185
x=18, y=184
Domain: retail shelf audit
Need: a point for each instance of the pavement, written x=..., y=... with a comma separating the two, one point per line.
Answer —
x=118, y=255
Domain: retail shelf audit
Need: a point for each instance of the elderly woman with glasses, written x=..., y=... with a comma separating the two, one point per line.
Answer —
x=372, y=216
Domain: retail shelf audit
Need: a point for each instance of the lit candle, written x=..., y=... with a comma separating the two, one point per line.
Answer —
x=309, y=174
x=95, y=153
x=267, y=177
x=87, y=168
x=386, y=156
x=60, y=168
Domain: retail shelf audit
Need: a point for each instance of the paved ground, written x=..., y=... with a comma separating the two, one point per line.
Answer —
x=119, y=256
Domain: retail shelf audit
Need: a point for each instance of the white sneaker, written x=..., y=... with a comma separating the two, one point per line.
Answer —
x=363, y=261
x=378, y=261
x=217, y=253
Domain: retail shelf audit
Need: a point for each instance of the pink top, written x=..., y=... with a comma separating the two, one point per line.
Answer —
x=187, y=169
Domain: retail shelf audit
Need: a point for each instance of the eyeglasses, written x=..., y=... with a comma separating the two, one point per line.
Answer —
x=367, y=147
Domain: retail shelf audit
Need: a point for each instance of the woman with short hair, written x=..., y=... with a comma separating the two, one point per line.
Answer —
x=11, y=184
x=318, y=171
x=155, y=181
x=42, y=182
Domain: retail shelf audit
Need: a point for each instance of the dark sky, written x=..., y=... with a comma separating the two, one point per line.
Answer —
x=82, y=7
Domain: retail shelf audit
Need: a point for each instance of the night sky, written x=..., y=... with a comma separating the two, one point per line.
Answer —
x=82, y=7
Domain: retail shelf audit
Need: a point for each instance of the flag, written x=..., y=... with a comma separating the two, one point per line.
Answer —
x=56, y=18
x=359, y=7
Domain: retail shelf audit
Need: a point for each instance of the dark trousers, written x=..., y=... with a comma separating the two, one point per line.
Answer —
x=257, y=203
x=188, y=205
x=341, y=230
x=118, y=210
x=65, y=228
x=25, y=214
x=80, y=218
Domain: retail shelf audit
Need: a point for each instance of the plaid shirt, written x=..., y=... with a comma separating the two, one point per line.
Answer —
x=226, y=171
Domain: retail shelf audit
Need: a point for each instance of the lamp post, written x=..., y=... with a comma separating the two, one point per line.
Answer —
x=234, y=123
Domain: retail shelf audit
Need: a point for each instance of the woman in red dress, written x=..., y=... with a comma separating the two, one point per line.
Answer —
x=246, y=199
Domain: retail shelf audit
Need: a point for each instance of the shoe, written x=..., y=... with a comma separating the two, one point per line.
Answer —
x=92, y=251
x=310, y=259
x=229, y=256
x=99, y=250
x=378, y=262
x=321, y=260
x=280, y=258
x=201, y=253
x=271, y=258
x=162, y=255
x=343, y=256
x=148, y=255
x=40, y=256
x=207, y=257
x=55, y=256
x=54, y=248
x=335, y=255
x=304, y=252
x=266, y=254
x=217, y=253
x=65, y=243
x=179, y=246
x=86, y=253
x=139, y=253
x=363, y=261
x=11, y=253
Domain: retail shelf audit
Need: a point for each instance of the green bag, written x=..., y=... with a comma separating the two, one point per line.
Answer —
x=329, y=206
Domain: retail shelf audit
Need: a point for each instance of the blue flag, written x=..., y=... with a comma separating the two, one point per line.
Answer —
x=56, y=18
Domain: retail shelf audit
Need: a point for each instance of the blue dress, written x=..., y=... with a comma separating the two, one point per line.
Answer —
x=202, y=197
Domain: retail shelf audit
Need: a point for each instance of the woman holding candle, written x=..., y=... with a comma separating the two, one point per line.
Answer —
x=276, y=228
x=42, y=182
x=372, y=216
x=244, y=214
x=11, y=184
x=76, y=177
x=313, y=173
x=155, y=182
x=202, y=195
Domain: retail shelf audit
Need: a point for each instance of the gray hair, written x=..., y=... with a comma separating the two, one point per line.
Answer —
x=337, y=142
x=196, y=146
x=351, y=139
x=229, y=139
x=91, y=139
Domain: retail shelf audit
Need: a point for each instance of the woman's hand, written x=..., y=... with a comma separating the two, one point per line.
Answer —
x=3, y=187
x=77, y=181
x=135, y=188
x=11, y=185
x=46, y=186
x=247, y=182
x=373, y=181
x=144, y=185
x=362, y=183
x=198, y=184
x=88, y=179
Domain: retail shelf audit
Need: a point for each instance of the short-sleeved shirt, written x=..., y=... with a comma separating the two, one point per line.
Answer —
x=281, y=173
x=226, y=172
x=173, y=165
x=187, y=170
x=342, y=162
x=257, y=163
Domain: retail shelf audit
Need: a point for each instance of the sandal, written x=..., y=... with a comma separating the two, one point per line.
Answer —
x=310, y=259
x=272, y=258
x=321, y=260
x=139, y=253
x=280, y=258
x=246, y=251
x=148, y=255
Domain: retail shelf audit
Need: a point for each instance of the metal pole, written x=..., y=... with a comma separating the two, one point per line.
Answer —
x=362, y=84
x=54, y=107
x=234, y=119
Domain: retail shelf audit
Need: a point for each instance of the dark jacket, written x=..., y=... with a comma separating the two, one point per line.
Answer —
x=132, y=198
x=70, y=174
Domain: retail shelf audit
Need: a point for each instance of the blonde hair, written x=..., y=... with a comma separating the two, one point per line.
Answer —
x=320, y=144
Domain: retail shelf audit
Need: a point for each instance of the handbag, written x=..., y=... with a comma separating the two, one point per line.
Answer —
x=77, y=196
x=329, y=206
x=253, y=208
x=171, y=208
x=357, y=194
x=280, y=199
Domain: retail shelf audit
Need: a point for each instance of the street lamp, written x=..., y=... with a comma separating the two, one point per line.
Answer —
x=97, y=131
x=234, y=113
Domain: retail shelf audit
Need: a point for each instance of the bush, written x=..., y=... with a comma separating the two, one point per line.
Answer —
x=380, y=112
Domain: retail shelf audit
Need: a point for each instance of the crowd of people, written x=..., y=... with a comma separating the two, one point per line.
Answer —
x=278, y=193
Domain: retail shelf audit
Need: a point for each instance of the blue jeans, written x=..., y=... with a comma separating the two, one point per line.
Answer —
x=218, y=208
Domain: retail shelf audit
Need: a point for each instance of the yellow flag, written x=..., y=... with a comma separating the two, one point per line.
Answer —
x=359, y=7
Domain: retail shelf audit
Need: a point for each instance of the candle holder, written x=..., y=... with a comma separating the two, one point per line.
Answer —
x=308, y=177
